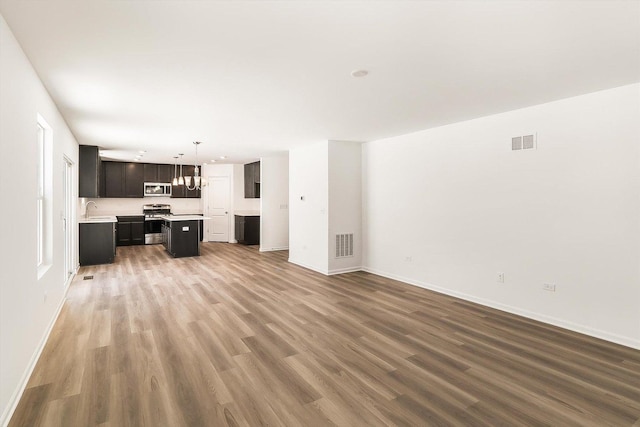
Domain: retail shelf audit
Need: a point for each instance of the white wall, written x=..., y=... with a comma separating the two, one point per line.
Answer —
x=308, y=219
x=345, y=202
x=274, y=202
x=28, y=305
x=463, y=206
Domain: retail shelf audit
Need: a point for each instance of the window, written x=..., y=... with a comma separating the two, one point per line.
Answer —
x=44, y=188
x=40, y=194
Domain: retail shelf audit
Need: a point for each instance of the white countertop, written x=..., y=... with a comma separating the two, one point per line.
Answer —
x=247, y=213
x=183, y=217
x=96, y=219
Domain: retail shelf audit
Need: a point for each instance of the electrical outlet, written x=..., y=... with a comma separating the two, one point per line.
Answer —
x=549, y=287
x=408, y=259
x=500, y=277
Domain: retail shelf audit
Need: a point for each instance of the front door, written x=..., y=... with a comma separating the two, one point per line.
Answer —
x=218, y=209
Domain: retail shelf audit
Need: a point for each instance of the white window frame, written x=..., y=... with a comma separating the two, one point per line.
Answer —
x=40, y=196
x=44, y=192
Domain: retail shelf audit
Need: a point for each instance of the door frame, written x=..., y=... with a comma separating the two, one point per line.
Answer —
x=68, y=221
x=230, y=230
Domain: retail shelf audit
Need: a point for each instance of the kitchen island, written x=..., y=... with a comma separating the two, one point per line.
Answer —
x=181, y=234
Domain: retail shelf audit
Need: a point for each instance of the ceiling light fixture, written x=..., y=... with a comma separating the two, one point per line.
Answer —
x=359, y=73
x=223, y=157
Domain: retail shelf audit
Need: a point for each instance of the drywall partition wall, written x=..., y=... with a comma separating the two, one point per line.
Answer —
x=274, y=202
x=345, y=204
x=451, y=207
x=28, y=304
x=308, y=204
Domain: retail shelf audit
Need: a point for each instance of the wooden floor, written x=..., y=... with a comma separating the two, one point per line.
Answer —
x=239, y=337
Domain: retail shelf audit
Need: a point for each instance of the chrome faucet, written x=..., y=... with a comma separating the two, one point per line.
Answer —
x=86, y=208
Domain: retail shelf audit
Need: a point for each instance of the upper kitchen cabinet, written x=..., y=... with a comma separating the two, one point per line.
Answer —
x=123, y=179
x=157, y=173
x=133, y=180
x=252, y=180
x=89, y=171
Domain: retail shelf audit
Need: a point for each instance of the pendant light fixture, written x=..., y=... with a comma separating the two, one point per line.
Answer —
x=181, y=178
x=175, y=171
x=196, y=172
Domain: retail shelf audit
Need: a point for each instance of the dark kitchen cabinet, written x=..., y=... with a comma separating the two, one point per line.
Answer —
x=182, y=238
x=96, y=243
x=113, y=176
x=165, y=173
x=89, y=171
x=130, y=230
x=123, y=179
x=252, y=180
x=133, y=180
x=247, y=229
x=157, y=172
x=181, y=191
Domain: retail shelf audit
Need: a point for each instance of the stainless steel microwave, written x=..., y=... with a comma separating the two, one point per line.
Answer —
x=157, y=189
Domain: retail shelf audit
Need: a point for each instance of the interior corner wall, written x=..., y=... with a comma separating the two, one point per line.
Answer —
x=308, y=204
x=345, y=202
x=450, y=207
x=28, y=305
x=274, y=202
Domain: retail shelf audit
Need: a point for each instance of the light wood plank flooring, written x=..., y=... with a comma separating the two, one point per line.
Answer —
x=242, y=338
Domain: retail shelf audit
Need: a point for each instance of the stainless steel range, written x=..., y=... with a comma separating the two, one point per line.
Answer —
x=153, y=222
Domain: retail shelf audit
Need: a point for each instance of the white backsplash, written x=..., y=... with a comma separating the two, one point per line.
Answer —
x=105, y=206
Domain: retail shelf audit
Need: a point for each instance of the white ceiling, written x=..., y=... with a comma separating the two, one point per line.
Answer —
x=252, y=78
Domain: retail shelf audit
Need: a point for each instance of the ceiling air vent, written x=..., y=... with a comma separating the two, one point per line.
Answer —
x=344, y=245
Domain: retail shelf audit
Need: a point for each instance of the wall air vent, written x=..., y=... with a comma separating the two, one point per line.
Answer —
x=526, y=142
x=344, y=245
x=516, y=143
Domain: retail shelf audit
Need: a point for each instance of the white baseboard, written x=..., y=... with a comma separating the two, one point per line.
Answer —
x=309, y=267
x=575, y=327
x=13, y=402
x=344, y=270
x=282, y=248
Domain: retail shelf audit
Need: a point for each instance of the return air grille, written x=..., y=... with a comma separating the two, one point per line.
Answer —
x=344, y=245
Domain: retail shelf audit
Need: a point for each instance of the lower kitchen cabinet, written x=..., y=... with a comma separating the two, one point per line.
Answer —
x=182, y=238
x=97, y=243
x=130, y=230
x=247, y=229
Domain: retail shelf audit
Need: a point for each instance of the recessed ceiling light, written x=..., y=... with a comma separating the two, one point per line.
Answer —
x=359, y=73
x=213, y=160
x=223, y=157
x=142, y=151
